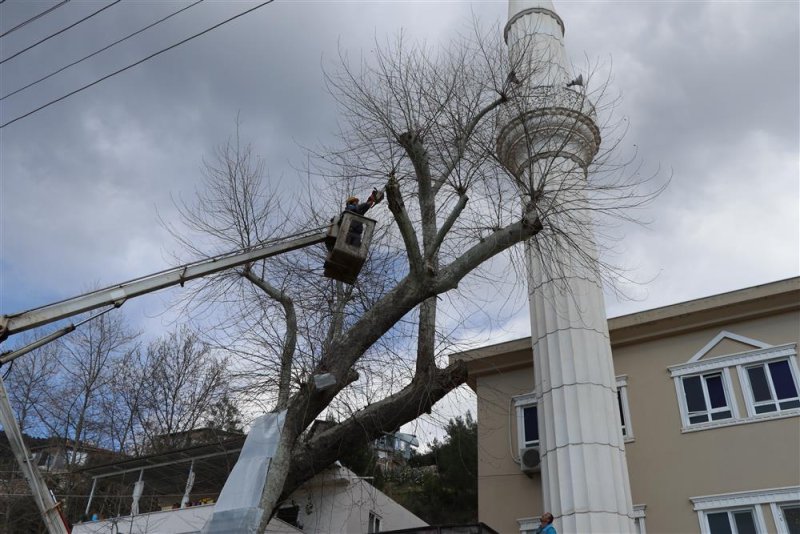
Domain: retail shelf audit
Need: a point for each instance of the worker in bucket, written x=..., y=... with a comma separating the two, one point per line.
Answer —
x=352, y=204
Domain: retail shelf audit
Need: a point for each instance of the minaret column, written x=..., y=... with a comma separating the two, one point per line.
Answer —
x=548, y=141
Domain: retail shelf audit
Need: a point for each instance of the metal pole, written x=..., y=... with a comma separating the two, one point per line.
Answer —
x=44, y=499
x=189, y=485
x=118, y=294
x=91, y=496
x=13, y=355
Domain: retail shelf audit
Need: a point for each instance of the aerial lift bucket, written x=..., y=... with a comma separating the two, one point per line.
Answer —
x=348, y=243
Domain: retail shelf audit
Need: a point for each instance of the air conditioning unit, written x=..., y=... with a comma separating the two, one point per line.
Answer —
x=529, y=460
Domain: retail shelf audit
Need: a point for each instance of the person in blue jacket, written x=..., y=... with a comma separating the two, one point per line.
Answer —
x=546, y=524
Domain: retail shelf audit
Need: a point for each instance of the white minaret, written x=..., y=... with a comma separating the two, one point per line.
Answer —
x=548, y=142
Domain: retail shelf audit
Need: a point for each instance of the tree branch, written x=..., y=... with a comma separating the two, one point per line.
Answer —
x=461, y=145
x=450, y=221
x=398, y=209
x=370, y=422
x=290, y=339
x=498, y=241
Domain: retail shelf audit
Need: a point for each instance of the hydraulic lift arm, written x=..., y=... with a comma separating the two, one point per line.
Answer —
x=111, y=296
x=116, y=295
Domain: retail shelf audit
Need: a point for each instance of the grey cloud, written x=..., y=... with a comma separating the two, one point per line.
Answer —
x=710, y=89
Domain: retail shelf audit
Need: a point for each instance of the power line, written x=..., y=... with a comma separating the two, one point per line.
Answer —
x=137, y=32
x=123, y=69
x=42, y=14
x=59, y=32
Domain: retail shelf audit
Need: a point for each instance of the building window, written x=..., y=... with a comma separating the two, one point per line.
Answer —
x=527, y=421
x=771, y=387
x=374, y=523
x=787, y=517
x=530, y=426
x=624, y=408
x=743, y=512
x=638, y=518
x=706, y=397
x=769, y=380
x=528, y=525
x=528, y=417
x=732, y=522
x=76, y=457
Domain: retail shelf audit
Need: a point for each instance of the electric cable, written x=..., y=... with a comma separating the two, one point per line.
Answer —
x=123, y=69
x=43, y=13
x=59, y=32
x=137, y=32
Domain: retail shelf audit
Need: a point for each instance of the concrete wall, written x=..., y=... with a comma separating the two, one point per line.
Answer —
x=186, y=521
x=667, y=465
x=505, y=494
x=334, y=502
x=337, y=501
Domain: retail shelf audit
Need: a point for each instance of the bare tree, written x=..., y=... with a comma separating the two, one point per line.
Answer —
x=122, y=403
x=86, y=359
x=184, y=383
x=29, y=381
x=423, y=125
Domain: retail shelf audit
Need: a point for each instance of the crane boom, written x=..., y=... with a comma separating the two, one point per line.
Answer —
x=116, y=295
x=44, y=499
x=347, y=251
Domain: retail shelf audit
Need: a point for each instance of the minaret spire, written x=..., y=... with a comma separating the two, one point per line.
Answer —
x=547, y=141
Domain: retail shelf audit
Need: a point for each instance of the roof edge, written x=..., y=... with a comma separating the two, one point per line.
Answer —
x=741, y=304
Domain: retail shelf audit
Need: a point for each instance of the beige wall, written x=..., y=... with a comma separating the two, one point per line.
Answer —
x=505, y=494
x=667, y=465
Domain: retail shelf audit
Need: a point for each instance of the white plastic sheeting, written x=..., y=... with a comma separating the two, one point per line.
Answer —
x=237, y=509
x=189, y=484
x=138, y=489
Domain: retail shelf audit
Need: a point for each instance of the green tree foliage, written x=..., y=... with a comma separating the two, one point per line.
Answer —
x=363, y=461
x=446, y=492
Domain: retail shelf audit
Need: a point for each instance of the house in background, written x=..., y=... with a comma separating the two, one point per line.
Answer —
x=708, y=394
x=56, y=455
x=393, y=450
x=177, y=491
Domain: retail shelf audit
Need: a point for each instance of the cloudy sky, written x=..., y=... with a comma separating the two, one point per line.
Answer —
x=710, y=90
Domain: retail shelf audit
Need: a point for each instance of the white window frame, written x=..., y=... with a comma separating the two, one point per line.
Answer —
x=778, y=517
x=739, y=360
x=622, y=388
x=731, y=406
x=528, y=525
x=528, y=400
x=747, y=388
x=638, y=518
x=76, y=457
x=374, y=523
x=747, y=499
x=758, y=519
